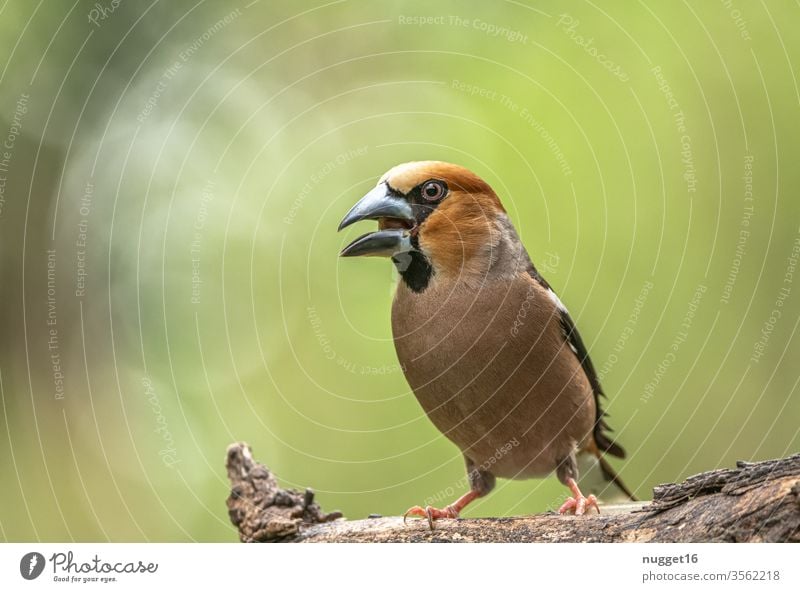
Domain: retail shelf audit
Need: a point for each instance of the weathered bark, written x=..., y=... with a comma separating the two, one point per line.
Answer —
x=755, y=502
x=259, y=508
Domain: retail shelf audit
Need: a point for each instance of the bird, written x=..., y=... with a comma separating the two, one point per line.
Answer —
x=488, y=348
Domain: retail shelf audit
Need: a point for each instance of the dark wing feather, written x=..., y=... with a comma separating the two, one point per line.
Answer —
x=603, y=440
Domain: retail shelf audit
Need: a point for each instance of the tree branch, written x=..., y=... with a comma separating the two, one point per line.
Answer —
x=755, y=502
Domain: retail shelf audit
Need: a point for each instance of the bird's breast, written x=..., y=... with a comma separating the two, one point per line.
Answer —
x=490, y=368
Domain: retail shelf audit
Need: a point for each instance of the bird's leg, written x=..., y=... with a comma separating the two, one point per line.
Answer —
x=451, y=511
x=480, y=483
x=578, y=504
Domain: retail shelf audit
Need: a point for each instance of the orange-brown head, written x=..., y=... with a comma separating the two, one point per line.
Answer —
x=433, y=218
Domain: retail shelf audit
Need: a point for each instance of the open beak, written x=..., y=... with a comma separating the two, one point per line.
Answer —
x=395, y=218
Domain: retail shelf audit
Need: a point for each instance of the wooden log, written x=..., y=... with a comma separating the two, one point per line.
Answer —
x=755, y=502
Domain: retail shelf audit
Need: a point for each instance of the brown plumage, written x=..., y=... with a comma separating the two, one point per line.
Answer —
x=489, y=350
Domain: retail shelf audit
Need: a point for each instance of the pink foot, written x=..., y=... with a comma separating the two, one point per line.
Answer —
x=431, y=513
x=578, y=504
x=451, y=511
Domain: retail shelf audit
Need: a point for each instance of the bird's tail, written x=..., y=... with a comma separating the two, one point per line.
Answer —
x=599, y=477
x=610, y=475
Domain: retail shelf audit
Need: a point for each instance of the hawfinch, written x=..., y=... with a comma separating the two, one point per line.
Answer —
x=489, y=350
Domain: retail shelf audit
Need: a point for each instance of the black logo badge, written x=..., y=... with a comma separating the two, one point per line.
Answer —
x=31, y=565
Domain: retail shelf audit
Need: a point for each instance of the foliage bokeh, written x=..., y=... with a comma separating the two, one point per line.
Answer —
x=175, y=175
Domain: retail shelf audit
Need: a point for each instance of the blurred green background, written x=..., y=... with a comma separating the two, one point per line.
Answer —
x=172, y=176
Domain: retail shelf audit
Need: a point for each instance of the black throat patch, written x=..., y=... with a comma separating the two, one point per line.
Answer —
x=415, y=269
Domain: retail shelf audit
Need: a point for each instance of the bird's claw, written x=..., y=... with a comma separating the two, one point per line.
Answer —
x=579, y=505
x=430, y=513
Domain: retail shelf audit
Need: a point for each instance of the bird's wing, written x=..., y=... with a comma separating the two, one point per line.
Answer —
x=604, y=442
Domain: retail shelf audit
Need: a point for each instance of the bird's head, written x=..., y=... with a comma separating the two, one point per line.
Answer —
x=433, y=218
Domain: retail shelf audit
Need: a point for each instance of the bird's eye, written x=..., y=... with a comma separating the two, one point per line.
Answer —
x=433, y=190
